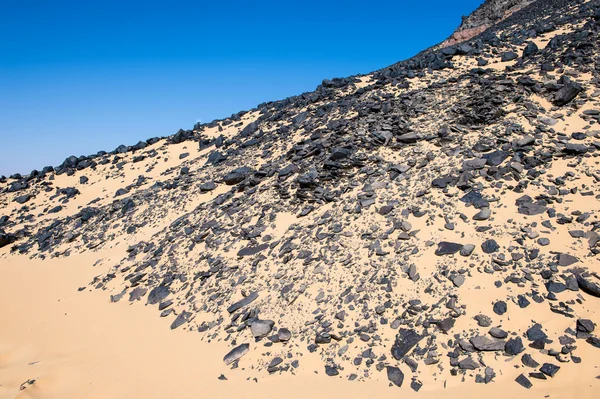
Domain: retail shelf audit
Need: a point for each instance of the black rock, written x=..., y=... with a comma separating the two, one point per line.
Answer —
x=528, y=361
x=182, y=318
x=443, y=182
x=23, y=198
x=498, y=333
x=500, y=308
x=409, y=138
x=594, y=341
x=158, y=294
x=549, y=369
x=495, y=158
x=468, y=363
x=249, y=251
x=509, y=56
x=6, y=239
x=284, y=334
x=514, y=346
x=535, y=333
x=244, y=302
x=530, y=50
x=567, y=93
x=483, y=343
x=405, y=341
x=236, y=176
x=566, y=259
x=490, y=246
x=585, y=325
x=331, y=371
x=395, y=375
x=340, y=153
x=587, y=285
x=523, y=381
x=236, y=353
x=121, y=191
x=447, y=248
x=446, y=324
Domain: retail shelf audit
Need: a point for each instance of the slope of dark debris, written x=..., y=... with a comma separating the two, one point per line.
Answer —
x=414, y=221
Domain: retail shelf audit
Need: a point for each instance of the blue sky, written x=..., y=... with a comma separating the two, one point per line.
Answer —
x=77, y=77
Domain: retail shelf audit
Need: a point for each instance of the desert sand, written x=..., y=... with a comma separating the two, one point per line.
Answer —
x=79, y=345
x=426, y=230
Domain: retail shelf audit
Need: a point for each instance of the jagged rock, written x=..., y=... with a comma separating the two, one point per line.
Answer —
x=490, y=246
x=405, y=341
x=395, y=375
x=585, y=325
x=468, y=364
x=514, y=346
x=182, y=318
x=567, y=93
x=447, y=248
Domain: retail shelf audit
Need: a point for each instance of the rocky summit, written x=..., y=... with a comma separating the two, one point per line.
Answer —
x=430, y=223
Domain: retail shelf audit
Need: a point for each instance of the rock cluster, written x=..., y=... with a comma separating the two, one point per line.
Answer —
x=418, y=218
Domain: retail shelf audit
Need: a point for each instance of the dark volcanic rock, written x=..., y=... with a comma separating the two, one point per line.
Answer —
x=406, y=340
x=567, y=93
x=587, y=285
x=244, y=302
x=182, y=318
x=509, y=56
x=236, y=353
x=490, y=246
x=549, y=369
x=483, y=343
x=447, y=248
x=514, y=346
x=237, y=176
x=500, y=308
x=523, y=381
x=528, y=361
x=395, y=375
x=249, y=251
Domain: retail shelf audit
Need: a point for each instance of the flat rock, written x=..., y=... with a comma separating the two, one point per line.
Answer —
x=395, y=375
x=406, y=340
x=236, y=353
x=447, y=248
x=483, y=343
x=243, y=302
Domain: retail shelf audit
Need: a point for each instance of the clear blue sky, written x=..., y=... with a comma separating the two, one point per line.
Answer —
x=80, y=76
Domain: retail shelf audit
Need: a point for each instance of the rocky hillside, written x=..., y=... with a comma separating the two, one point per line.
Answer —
x=436, y=220
x=488, y=14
